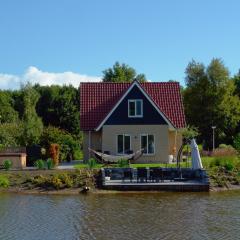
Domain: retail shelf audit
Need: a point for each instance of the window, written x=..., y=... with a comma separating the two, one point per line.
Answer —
x=135, y=108
x=148, y=143
x=123, y=143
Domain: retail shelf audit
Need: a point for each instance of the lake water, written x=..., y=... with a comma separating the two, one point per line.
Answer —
x=173, y=216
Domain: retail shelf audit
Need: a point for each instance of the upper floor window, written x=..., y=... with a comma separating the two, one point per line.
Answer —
x=135, y=108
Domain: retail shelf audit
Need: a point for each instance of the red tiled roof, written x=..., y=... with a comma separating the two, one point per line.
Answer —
x=98, y=99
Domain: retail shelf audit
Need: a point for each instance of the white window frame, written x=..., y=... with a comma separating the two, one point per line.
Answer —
x=147, y=134
x=135, y=102
x=123, y=134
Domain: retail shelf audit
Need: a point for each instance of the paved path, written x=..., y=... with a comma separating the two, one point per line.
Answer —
x=62, y=166
x=69, y=165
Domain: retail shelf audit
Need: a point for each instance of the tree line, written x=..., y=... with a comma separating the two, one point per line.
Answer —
x=50, y=114
x=41, y=115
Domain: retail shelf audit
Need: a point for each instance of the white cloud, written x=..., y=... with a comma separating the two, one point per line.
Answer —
x=35, y=75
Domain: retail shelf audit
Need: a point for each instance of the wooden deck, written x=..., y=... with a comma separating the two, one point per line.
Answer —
x=167, y=179
x=190, y=186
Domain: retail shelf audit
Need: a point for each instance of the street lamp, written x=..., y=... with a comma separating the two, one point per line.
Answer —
x=213, y=128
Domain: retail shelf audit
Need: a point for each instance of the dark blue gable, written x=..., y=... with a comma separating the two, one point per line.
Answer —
x=150, y=114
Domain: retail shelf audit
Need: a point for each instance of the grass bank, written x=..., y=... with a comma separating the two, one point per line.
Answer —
x=47, y=180
x=224, y=172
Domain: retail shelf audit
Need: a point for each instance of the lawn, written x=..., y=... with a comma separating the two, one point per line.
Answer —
x=83, y=165
x=136, y=165
x=208, y=163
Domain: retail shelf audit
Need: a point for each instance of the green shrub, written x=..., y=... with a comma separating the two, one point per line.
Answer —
x=221, y=182
x=4, y=182
x=236, y=142
x=226, y=151
x=78, y=154
x=49, y=163
x=123, y=163
x=66, y=180
x=47, y=182
x=215, y=162
x=39, y=164
x=39, y=181
x=7, y=164
x=237, y=179
x=228, y=166
x=229, y=163
x=68, y=143
x=92, y=163
x=55, y=182
x=223, y=145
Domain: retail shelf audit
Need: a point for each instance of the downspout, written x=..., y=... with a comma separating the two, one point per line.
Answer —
x=89, y=143
x=175, y=145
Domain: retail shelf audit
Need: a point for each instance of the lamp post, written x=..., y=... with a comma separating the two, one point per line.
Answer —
x=213, y=128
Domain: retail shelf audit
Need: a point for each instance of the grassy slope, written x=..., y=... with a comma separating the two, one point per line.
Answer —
x=223, y=171
x=48, y=179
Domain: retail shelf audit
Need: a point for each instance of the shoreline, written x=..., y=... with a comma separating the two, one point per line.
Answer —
x=78, y=191
x=73, y=182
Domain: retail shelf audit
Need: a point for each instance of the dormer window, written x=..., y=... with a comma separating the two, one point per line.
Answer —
x=135, y=108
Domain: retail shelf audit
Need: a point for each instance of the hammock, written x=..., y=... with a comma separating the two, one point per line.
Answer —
x=115, y=158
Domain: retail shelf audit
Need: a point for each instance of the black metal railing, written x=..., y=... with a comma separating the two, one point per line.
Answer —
x=154, y=174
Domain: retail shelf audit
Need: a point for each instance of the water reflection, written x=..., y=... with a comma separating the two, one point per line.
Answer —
x=172, y=216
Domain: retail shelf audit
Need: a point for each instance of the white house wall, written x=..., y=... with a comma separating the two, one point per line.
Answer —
x=160, y=132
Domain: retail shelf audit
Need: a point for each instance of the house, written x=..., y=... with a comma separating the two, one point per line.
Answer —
x=118, y=118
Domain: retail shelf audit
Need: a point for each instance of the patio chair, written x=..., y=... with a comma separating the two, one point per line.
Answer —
x=168, y=174
x=127, y=174
x=142, y=174
x=156, y=174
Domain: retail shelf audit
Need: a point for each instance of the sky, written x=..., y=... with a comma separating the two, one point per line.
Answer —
x=72, y=41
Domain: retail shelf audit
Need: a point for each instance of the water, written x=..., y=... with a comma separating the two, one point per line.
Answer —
x=173, y=216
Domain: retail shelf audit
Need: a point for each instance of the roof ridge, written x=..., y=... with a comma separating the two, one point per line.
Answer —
x=130, y=82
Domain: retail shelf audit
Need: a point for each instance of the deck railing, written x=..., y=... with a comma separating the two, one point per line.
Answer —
x=153, y=174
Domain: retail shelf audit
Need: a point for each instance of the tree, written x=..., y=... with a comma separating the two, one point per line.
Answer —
x=210, y=100
x=7, y=112
x=45, y=107
x=67, y=108
x=236, y=80
x=68, y=144
x=11, y=134
x=17, y=96
x=59, y=107
x=189, y=132
x=122, y=73
x=32, y=124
